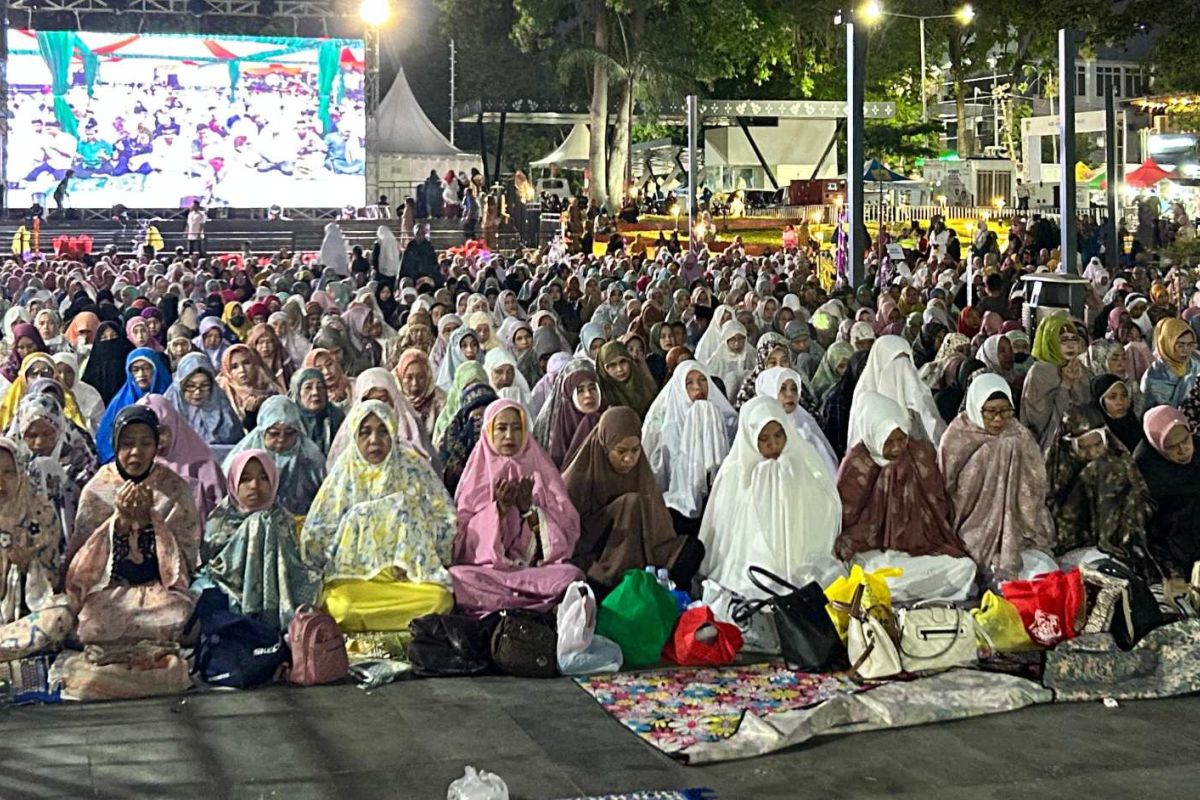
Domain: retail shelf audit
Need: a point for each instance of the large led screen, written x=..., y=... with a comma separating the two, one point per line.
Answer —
x=156, y=121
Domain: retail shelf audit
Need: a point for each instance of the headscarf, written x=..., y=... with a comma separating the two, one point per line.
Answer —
x=341, y=386
x=187, y=455
x=463, y=433
x=468, y=374
x=1158, y=424
x=423, y=404
x=685, y=441
x=454, y=358
x=1127, y=428
x=827, y=375
x=91, y=406
x=1046, y=345
x=278, y=369
x=320, y=426
x=1166, y=333
x=410, y=430
x=402, y=504
x=890, y=372
x=28, y=523
x=636, y=391
x=214, y=422
x=260, y=384
x=781, y=514
x=135, y=322
x=769, y=383
x=129, y=394
x=389, y=252
x=623, y=520
x=893, y=504
x=252, y=553
x=240, y=331
x=214, y=356
x=20, y=387
x=476, y=492
x=561, y=427
x=22, y=330
x=84, y=320
x=518, y=390
x=301, y=468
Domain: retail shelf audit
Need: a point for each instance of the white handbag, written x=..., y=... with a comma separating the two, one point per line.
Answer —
x=872, y=652
x=937, y=637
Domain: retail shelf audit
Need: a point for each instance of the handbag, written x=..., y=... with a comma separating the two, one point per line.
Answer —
x=701, y=641
x=872, y=651
x=808, y=640
x=451, y=645
x=1051, y=605
x=639, y=615
x=525, y=644
x=1121, y=603
x=936, y=637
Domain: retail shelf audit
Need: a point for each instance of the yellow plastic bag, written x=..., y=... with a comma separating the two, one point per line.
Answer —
x=875, y=593
x=998, y=625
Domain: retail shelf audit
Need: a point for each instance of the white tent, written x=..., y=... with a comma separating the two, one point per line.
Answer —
x=405, y=145
x=572, y=153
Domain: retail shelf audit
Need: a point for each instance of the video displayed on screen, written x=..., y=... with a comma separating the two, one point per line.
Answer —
x=156, y=121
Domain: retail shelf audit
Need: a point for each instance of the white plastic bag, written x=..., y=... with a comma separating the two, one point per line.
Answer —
x=580, y=651
x=759, y=634
x=478, y=785
x=576, y=619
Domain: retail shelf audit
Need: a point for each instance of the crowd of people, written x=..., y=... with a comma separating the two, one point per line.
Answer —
x=479, y=434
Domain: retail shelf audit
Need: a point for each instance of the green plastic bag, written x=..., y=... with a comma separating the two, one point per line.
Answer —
x=639, y=615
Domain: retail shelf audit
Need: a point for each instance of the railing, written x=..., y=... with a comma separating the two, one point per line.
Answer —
x=874, y=212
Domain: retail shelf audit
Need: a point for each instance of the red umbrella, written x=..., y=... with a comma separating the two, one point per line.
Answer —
x=1147, y=175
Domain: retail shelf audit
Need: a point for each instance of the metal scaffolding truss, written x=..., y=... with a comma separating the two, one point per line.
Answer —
x=314, y=18
x=312, y=9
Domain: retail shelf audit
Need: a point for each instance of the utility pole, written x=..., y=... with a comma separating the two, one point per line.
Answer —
x=1066, y=150
x=693, y=123
x=856, y=73
x=451, y=91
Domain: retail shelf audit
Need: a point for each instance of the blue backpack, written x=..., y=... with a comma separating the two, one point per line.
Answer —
x=235, y=650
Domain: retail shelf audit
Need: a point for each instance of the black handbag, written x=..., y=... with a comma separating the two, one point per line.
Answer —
x=525, y=644
x=1140, y=613
x=451, y=645
x=807, y=637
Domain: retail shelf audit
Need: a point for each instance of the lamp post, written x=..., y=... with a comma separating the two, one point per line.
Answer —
x=872, y=12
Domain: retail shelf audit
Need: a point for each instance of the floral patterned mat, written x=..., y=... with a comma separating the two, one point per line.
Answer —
x=673, y=709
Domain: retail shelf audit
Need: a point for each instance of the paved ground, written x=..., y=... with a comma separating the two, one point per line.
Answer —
x=548, y=739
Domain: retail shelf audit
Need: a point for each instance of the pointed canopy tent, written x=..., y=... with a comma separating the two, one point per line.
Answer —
x=876, y=172
x=572, y=153
x=402, y=135
x=1147, y=175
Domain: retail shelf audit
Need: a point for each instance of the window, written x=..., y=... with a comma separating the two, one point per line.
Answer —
x=991, y=185
x=1135, y=82
x=1108, y=79
x=1080, y=80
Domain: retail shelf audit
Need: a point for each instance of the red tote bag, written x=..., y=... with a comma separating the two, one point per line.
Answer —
x=1051, y=605
x=700, y=641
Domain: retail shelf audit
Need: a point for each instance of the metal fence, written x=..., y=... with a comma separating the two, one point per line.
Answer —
x=874, y=212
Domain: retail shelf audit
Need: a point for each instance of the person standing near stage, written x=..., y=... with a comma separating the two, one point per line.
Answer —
x=197, y=218
x=420, y=259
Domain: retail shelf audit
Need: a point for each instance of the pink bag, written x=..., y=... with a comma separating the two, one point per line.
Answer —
x=318, y=648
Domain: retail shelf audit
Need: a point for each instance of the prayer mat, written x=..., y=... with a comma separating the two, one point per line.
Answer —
x=676, y=709
x=681, y=794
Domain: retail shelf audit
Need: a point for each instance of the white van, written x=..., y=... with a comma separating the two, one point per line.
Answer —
x=555, y=187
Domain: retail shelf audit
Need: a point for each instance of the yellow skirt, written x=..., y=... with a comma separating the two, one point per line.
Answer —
x=382, y=603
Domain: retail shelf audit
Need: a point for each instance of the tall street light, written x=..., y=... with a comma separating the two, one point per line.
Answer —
x=873, y=12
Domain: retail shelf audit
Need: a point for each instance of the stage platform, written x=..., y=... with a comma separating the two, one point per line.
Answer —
x=229, y=235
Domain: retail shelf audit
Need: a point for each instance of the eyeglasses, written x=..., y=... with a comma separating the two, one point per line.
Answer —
x=996, y=415
x=1069, y=338
x=197, y=388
